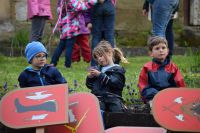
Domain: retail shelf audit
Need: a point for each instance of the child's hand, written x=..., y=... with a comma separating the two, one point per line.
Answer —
x=144, y=12
x=89, y=26
x=101, y=1
x=93, y=72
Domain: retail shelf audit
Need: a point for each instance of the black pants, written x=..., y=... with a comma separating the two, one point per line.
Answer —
x=111, y=104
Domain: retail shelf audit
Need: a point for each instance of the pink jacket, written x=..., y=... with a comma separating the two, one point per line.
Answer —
x=114, y=2
x=39, y=8
x=71, y=11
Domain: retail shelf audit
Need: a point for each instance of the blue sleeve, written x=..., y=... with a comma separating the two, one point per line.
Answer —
x=22, y=80
x=90, y=82
x=149, y=93
x=58, y=77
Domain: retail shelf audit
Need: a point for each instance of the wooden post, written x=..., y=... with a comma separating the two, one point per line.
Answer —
x=186, y=7
x=40, y=130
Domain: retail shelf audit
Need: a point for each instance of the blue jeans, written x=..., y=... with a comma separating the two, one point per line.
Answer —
x=170, y=37
x=65, y=43
x=103, y=22
x=162, y=11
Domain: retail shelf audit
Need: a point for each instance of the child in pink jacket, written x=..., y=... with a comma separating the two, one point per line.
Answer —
x=38, y=11
x=82, y=46
x=70, y=11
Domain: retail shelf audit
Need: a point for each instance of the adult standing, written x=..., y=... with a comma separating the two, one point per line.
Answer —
x=162, y=19
x=103, y=21
x=38, y=12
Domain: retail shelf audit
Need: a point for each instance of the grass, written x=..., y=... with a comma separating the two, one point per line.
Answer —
x=11, y=67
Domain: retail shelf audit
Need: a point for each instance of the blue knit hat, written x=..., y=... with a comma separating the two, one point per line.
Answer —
x=34, y=48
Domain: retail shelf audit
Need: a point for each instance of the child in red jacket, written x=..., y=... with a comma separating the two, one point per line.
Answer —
x=160, y=73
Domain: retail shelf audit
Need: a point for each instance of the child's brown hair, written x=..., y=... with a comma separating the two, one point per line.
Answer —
x=155, y=40
x=104, y=47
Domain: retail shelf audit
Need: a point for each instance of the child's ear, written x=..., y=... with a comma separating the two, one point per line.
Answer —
x=167, y=50
x=150, y=53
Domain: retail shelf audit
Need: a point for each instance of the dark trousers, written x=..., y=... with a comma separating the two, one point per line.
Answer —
x=37, y=28
x=64, y=44
x=170, y=37
x=103, y=20
x=111, y=104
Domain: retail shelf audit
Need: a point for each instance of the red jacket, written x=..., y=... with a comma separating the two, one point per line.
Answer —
x=156, y=76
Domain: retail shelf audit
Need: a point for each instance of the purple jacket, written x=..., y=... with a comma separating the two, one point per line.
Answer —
x=39, y=8
x=84, y=19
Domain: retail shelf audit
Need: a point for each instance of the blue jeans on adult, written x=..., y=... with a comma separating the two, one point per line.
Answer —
x=170, y=37
x=103, y=21
x=162, y=11
x=65, y=43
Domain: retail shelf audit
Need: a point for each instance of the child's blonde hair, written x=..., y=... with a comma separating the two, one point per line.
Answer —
x=104, y=47
x=155, y=40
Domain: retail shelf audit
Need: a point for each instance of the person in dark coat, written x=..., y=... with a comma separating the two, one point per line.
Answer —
x=39, y=73
x=107, y=80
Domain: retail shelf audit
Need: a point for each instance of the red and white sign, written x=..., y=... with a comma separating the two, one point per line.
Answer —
x=35, y=106
x=178, y=109
x=135, y=130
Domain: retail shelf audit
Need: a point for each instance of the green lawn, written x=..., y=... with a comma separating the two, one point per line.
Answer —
x=11, y=67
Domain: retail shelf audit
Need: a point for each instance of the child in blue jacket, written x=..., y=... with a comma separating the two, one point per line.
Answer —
x=160, y=73
x=107, y=81
x=39, y=73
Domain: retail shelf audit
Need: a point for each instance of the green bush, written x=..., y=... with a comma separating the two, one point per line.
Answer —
x=20, y=38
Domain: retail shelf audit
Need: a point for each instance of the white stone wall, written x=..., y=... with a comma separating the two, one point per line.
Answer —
x=195, y=12
x=21, y=10
x=4, y=10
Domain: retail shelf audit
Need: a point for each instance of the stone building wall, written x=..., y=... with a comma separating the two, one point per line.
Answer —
x=5, y=19
x=195, y=12
x=129, y=19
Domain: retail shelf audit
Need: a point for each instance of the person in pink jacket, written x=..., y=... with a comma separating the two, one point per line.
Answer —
x=69, y=25
x=38, y=12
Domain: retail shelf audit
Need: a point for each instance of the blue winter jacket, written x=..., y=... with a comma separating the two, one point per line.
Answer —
x=47, y=75
x=110, y=82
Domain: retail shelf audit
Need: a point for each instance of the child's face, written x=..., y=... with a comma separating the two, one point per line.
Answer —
x=39, y=60
x=105, y=60
x=160, y=52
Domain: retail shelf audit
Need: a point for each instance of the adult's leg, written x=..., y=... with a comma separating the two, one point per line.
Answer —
x=68, y=55
x=58, y=51
x=161, y=15
x=170, y=37
x=37, y=28
x=109, y=21
x=97, y=25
